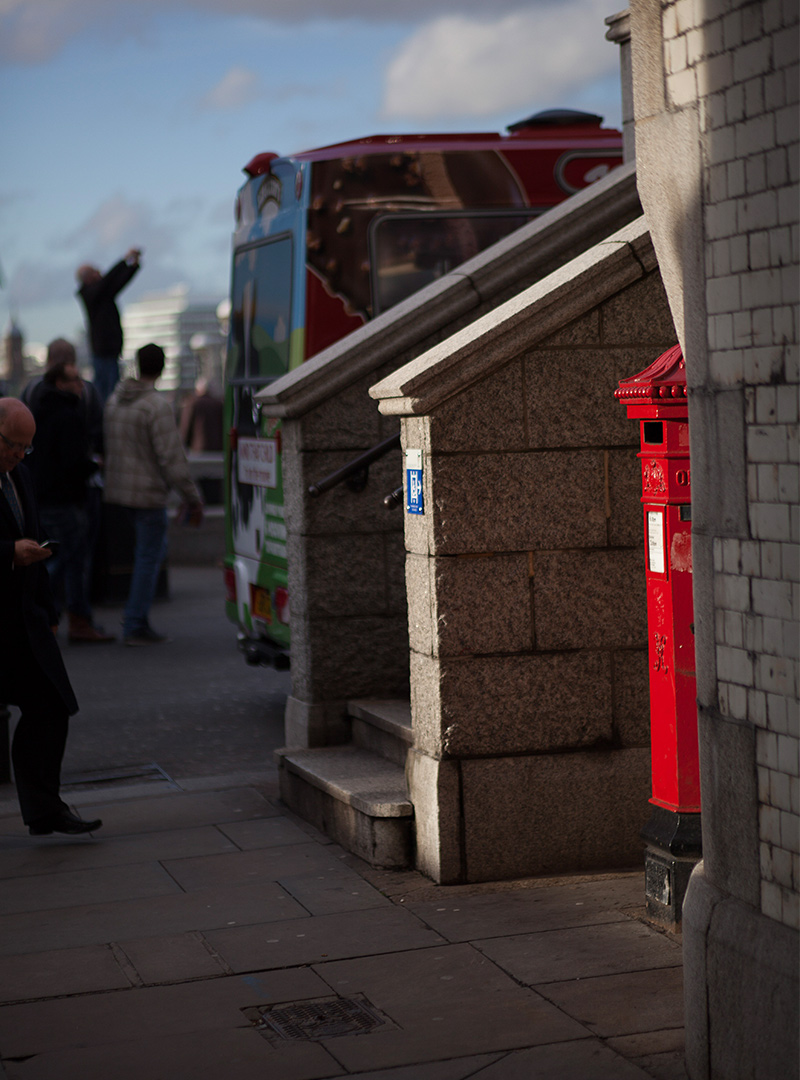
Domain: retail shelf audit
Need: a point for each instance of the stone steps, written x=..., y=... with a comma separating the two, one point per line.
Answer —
x=357, y=794
x=382, y=726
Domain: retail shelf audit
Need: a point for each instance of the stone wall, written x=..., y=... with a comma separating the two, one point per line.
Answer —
x=345, y=555
x=345, y=550
x=526, y=594
x=716, y=104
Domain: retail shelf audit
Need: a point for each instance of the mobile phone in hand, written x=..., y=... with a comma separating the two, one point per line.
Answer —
x=51, y=545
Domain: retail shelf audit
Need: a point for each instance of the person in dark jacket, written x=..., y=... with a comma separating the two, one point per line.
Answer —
x=201, y=431
x=61, y=465
x=92, y=406
x=98, y=293
x=32, y=672
x=90, y=398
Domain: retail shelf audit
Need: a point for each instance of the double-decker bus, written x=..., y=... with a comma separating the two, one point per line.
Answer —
x=329, y=238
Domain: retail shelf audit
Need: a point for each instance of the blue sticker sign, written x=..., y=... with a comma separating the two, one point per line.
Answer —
x=414, y=501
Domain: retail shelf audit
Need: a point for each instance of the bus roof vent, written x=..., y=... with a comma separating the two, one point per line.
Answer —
x=556, y=118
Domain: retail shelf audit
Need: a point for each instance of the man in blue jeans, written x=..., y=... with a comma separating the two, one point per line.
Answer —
x=144, y=461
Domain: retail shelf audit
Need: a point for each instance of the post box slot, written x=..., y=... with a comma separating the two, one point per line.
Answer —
x=653, y=431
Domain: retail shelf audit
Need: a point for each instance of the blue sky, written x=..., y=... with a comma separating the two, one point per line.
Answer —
x=127, y=124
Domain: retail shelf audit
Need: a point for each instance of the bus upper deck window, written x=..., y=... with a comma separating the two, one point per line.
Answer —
x=410, y=251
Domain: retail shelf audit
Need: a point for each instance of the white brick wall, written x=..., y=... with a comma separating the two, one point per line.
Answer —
x=739, y=63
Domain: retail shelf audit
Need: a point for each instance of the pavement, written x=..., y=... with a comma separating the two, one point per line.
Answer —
x=206, y=932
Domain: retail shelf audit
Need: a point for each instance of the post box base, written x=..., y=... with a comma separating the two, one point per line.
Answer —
x=674, y=847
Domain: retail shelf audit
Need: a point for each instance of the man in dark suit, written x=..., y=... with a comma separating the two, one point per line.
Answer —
x=32, y=672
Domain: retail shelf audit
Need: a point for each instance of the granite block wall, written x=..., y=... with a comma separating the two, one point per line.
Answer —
x=527, y=610
x=346, y=576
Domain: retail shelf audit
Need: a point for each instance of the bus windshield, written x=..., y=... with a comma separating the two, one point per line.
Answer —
x=261, y=311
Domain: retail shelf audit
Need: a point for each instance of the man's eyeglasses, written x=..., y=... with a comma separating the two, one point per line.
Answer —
x=18, y=448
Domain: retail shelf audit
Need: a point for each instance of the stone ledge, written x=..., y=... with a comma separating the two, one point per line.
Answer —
x=391, y=715
x=529, y=318
x=368, y=783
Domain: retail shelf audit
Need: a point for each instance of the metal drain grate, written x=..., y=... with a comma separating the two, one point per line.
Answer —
x=323, y=1018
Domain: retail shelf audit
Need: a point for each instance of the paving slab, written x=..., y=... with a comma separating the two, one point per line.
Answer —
x=211, y=1005
x=319, y=937
x=45, y=892
x=671, y=1066
x=92, y=924
x=263, y=775
x=272, y=832
x=528, y=910
x=175, y=958
x=660, y=1053
x=13, y=829
x=333, y=891
x=581, y=952
x=645, y=1043
x=255, y=892
x=179, y=810
x=612, y=1005
x=237, y=1054
x=251, y=867
x=443, y=1002
x=51, y=855
x=83, y=795
x=60, y=972
x=587, y=1059
x=462, y=1068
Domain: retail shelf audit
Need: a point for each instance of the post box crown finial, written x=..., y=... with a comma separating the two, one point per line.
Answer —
x=664, y=378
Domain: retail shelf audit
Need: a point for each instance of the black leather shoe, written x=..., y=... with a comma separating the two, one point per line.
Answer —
x=65, y=822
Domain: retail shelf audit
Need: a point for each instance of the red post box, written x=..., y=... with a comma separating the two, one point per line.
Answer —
x=656, y=397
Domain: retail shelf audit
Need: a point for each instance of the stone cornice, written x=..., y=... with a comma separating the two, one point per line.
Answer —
x=474, y=352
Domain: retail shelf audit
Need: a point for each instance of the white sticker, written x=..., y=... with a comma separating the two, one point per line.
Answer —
x=655, y=541
x=257, y=462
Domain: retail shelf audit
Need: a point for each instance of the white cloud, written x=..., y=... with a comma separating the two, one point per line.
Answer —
x=116, y=225
x=237, y=87
x=460, y=66
x=32, y=31
x=34, y=283
x=103, y=238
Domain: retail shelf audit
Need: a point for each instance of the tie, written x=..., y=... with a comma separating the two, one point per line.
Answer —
x=11, y=499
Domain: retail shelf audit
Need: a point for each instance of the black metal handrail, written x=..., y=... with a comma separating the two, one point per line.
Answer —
x=356, y=470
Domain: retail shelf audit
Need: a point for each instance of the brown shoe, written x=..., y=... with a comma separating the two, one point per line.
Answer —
x=82, y=631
